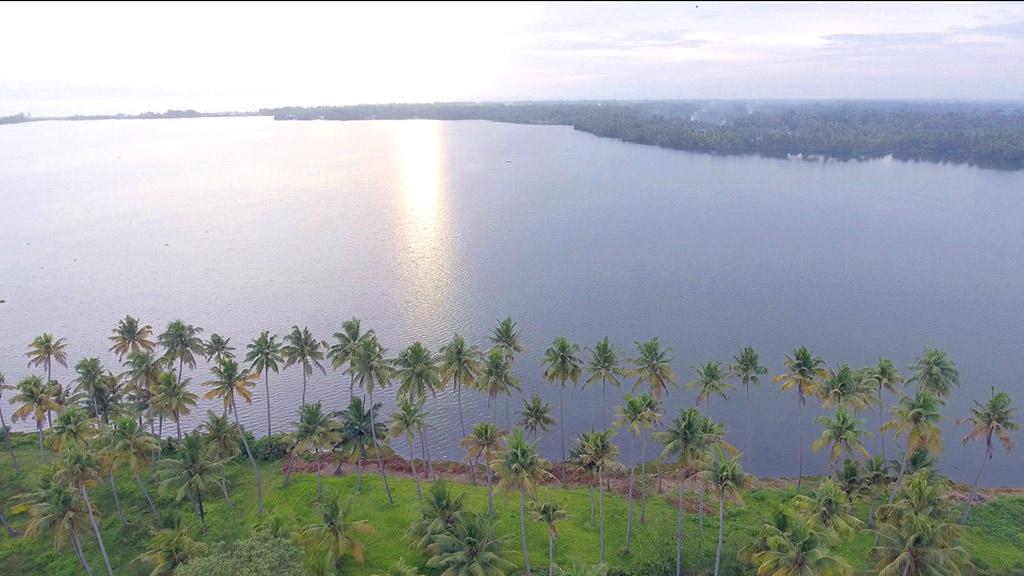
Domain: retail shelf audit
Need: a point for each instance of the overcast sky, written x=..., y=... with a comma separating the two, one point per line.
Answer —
x=94, y=58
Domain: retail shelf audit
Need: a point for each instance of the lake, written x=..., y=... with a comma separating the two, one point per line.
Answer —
x=424, y=228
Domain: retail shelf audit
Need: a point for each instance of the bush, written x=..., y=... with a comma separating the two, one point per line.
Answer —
x=264, y=450
x=262, y=554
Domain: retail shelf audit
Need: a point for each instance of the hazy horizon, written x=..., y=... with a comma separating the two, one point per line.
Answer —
x=152, y=57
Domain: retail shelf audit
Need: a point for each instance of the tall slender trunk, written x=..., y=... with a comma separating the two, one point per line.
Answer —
x=974, y=489
x=3, y=520
x=288, y=470
x=458, y=395
x=248, y=452
x=304, y=386
x=117, y=500
x=604, y=409
x=881, y=421
x=177, y=424
x=430, y=459
x=202, y=512
x=7, y=438
x=700, y=511
x=679, y=524
x=145, y=493
x=551, y=552
x=561, y=424
x=359, y=472
x=412, y=461
x=508, y=414
x=76, y=543
x=227, y=498
x=319, y=487
x=490, y=493
x=376, y=450
x=643, y=479
x=721, y=528
x=266, y=386
x=593, y=517
x=423, y=451
x=95, y=527
x=629, y=496
x=39, y=429
x=748, y=415
x=522, y=529
x=600, y=512
x=800, y=436
x=160, y=430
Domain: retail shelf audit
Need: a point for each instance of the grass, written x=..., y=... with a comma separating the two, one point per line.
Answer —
x=994, y=537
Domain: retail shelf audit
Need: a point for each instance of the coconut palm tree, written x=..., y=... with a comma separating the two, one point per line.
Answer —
x=460, y=363
x=496, y=377
x=80, y=469
x=222, y=440
x=604, y=367
x=407, y=421
x=418, y=376
x=917, y=419
x=829, y=508
x=652, y=415
x=935, y=373
x=993, y=418
x=795, y=547
x=506, y=336
x=341, y=352
x=131, y=445
x=142, y=374
x=725, y=474
x=74, y=428
x=89, y=379
x=440, y=512
x=129, y=337
x=747, y=367
x=354, y=434
x=536, y=415
x=804, y=373
x=335, y=536
x=562, y=364
x=229, y=384
x=54, y=506
x=3, y=422
x=315, y=431
x=602, y=454
x=168, y=549
x=372, y=371
x=520, y=467
x=103, y=446
x=35, y=402
x=264, y=356
x=218, y=348
x=686, y=440
x=883, y=376
x=173, y=398
x=181, y=342
x=847, y=387
x=842, y=433
x=652, y=367
x=486, y=440
x=473, y=546
x=190, y=472
x=550, y=513
x=710, y=381
x=922, y=547
x=630, y=416
x=44, y=350
x=302, y=348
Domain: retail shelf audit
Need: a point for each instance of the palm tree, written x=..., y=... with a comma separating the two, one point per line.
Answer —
x=631, y=416
x=919, y=548
x=264, y=357
x=846, y=387
x=222, y=440
x=335, y=535
x=173, y=398
x=562, y=364
x=418, y=375
x=685, y=439
x=601, y=453
x=747, y=367
x=190, y=472
x=218, y=348
x=884, y=376
x=486, y=440
x=44, y=349
x=314, y=430
x=130, y=444
x=550, y=513
x=536, y=415
x=651, y=417
x=55, y=506
x=130, y=337
x=496, y=377
x=792, y=546
x=181, y=342
x=440, y=512
x=371, y=371
x=460, y=363
x=993, y=418
x=917, y=418
x=804, y=373
x=35, y=402
x=506, y=336
x=74, y=428
x=143, y=370
x=3, y=422
x=229, y=382
x=80, y=469
x=710, y=382
x=302, y=348
x=603, y=366
x=89, y=372
x=653, y=367
x=408, y=420
x=935, y=372
x=348, y=339
x=472, y=546
x=168, y=549
x=354, y=434
x=104, y=447
x=829, y=508
x=842, y=433
x=519, y=467
x=724, y=473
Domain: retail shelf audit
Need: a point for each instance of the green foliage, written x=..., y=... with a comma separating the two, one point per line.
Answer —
x=261, y=554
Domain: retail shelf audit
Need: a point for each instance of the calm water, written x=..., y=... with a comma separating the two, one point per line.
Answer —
x=423, y=228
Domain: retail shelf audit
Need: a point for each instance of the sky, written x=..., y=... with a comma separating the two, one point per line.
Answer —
x=121, y=57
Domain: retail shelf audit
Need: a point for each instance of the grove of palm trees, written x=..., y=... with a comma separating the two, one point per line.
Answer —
x=98, y=485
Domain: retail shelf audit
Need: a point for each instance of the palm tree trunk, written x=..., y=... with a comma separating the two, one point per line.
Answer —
x=181, y=366
x=600, y=504
x=700, y=511
x=7, y=438
x=202, y=513
x=974, y=489
x=800, y=437
x=224, y=488
x=145, y=493
x=508, y=413
x=76, y=543
x=629, y=496
x=177, y=424
x=896, y=485
x=412, y=461
x=95, y=527
x=3, y=520
x=604, y=409
x=160, y=429
x=304, y=387
x=319, y=488
x=117, y=500
x=551, y=552
x=39, y=429
x=430, y=460
x=458, y=395
x=643, y=480
x=881, y=421
x=522, y=529
x=561, y=424
x=721, y=528
x=590, y=488
x=679, y=525
x=359, y=472
x=376, y=449
x=423, y=451
x=288, y=470
x=490, y=493
x=266, y=386
x=248, y=452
